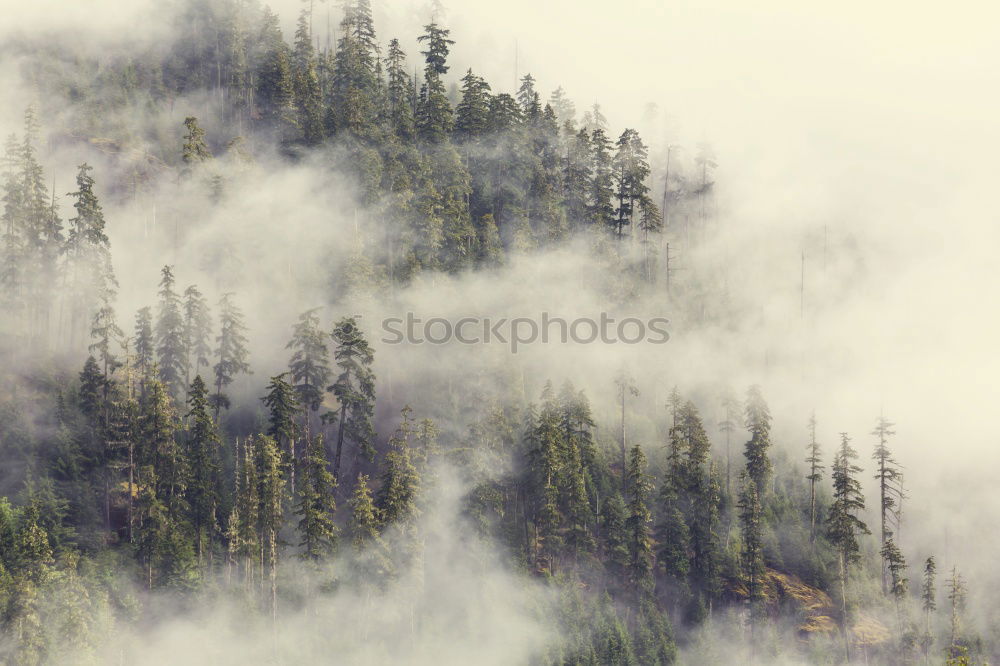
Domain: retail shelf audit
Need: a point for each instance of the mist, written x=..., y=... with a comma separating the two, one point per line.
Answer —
x=846, y=267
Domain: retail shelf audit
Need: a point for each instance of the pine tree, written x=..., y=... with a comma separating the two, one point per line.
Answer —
x=399, y=93
x=890, y=479
x=355, y=77
x=203, y=455
x=758, y=422
x=895, y=564
x=270, y=500
x=928, y=602
x=434, y=113
x=197, y=332
x=283, y=406
x=195, y=151
x=752, y=554
x=354, y=390
x=630, y=169
x=615, y=537
x=171, y=349
x=310, y=364
x=144, y=344
x=396, y=499
x=640, y=543
x=308, y=98
x=87, y=253
x=843, y=523
x=274, y=92
x=956, y=601
x=316, y=505
x=816, y=468
x=231, y=352
x=601, y=210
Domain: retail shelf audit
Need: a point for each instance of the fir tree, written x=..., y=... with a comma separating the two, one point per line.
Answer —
x=197, y=332
x=640, y=543
x=203, y=455
x=354, y=390
x=195, y=151
x=752, y=554
x=171, y=349
x=231, y=352
x=309, y=365
x=890, y=479
x=283, y=406
x=316, y=506
x=397, y=496
x=758, y=422
x=843, y=523
x=816, y=468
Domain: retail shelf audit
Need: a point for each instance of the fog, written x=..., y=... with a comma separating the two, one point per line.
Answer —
x=848, y=268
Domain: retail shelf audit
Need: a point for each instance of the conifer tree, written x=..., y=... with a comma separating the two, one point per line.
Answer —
x=308, y=98
x=203, y=455
x=171, y=349
x=752, y=554
x=197, y=332
x=195, y=151
x=87, y=253
x=434, y=114
x=928, y=601
x=816, y=468
x=956, y=601
x=890, y=479
x=283, y=407
x=231, y=352
x=630, y=169
x=354, y=390
x=895, y=564
x=399, y=93
x=274, y=92
x=758, y=422
x=270, y=500
x=843, y=523
x=640, y=543
x=601, y=187
x=310, y=364
x=396, y=499
x=615, y=538
x=316, y=505
x=144, y=344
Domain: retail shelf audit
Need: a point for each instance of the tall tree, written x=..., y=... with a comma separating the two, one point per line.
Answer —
x=283, y=407
x=843, y=522
x=316, y=505
x=197, y=332
x=232, y=353
x=354, y=390
x=890, y=479
x=202, y=444
x=815, y=475
x=194, y=151
x=310, y=362
x=171, y=350
x=434, y=113
x=752, y=554
x=758, y=422
x=87, y=253
x=637, y=525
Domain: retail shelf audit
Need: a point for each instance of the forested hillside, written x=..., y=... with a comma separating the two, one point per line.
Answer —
x=210, y=455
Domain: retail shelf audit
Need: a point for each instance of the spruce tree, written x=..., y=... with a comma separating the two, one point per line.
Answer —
x=194, y=151
x=928, y=602
x=315, y=504
x=354, y=390
x=816, y=468
x=171, y=350
x=87, y=253
x=231, y=352
x=890, y=480
x=434, y=113
x=752, y=553
x=843, y=522
x=758, y=422
x=640, y=543
x=197, y=332
x=396, y=499
x=203, y=455
x=144, y=344
x=310, y=363
x=283, y=407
